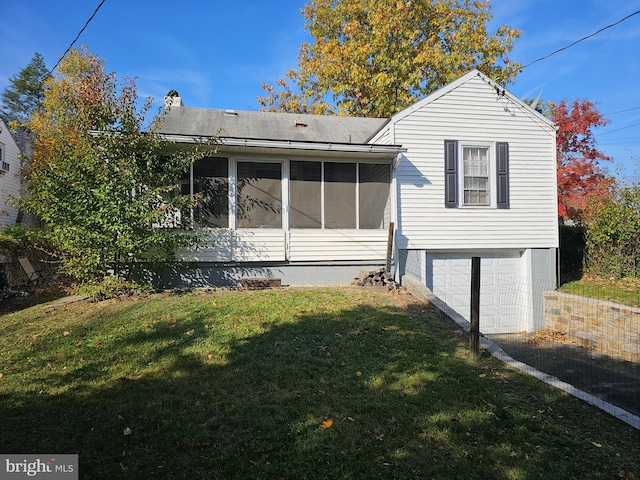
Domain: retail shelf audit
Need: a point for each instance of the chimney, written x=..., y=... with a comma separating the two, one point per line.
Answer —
x=172, y=99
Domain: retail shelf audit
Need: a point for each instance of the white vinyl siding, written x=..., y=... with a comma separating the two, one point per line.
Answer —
x=261, y=245
x=473, y=113
x=246, y=245
x=339, y=245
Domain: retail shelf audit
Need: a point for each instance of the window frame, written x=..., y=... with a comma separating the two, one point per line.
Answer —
x=489, y=175
x=4, y=165
x=498, y=173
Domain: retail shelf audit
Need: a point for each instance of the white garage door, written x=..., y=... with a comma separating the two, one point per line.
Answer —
x=502, y=299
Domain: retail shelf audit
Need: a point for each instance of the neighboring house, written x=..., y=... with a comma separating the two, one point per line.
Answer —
x=467, y=171
x=10, y=176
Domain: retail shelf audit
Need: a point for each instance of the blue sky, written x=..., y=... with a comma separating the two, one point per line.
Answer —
x=216, y=54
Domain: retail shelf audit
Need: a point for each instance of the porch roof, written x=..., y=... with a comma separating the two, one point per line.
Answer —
x=254, y=125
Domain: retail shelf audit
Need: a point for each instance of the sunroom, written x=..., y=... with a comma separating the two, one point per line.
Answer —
x=282, y=190
x=299, y=207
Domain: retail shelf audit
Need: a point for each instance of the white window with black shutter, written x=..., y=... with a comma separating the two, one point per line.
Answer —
x=476, y=174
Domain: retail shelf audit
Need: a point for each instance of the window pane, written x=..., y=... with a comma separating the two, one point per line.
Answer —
x=211, y=188
x=306, y=195
x=375, y=180
x=259, y=195
x=476, y=179
x=339, y=195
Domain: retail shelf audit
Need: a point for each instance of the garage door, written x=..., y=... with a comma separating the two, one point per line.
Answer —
x=501, y=288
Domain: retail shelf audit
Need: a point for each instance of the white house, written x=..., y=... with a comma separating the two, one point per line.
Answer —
x=9, y=176
x=467, y=171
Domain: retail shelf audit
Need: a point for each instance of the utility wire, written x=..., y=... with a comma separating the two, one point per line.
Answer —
x=621, y=128
x=77, y=36
x=582, y=39
x=622, y=111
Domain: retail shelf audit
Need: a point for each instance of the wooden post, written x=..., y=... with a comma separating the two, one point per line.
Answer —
x=389, y=247
x=474, y=332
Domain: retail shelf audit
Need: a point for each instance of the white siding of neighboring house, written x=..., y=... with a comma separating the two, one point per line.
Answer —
x=9, y=181
x=474, y=112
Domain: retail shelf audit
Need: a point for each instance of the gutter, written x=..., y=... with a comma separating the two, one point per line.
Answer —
x=391, y=150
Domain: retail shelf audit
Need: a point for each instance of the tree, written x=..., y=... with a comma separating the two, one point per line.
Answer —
x=25, y=91
x=580, y=178
x=97, y=179
x=373, y=58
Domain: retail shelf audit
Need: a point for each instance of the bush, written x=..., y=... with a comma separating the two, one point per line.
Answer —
x=613, y=237
x=113, y=287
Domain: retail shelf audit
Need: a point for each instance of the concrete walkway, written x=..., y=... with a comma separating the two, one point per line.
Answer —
x=61, y=302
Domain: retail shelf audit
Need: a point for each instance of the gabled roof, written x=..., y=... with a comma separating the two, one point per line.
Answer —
x=202, y=122
x=500, y=90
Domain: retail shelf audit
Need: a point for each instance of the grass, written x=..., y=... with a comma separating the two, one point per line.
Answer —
x=625, y=291
x=295, y=383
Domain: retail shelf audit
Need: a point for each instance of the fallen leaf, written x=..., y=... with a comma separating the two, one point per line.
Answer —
x=358, y=373
x=209, y=356
x=599, y=445
x=66, y=334
x=126, y=431
x=190, y=332
x=482, y=375
x=327, y=423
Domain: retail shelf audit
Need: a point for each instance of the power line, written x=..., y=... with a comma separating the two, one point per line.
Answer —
x=581, y=40
x=77, y=36
x=621, y=128
x=622, y=111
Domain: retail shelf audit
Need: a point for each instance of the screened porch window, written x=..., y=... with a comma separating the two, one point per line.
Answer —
x=211, y=190
x=259, y=195
x=374, y=184
x=351, y=191
x=305, y=195
x=339, y=195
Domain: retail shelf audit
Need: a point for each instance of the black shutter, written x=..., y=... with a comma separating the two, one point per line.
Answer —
x=502, y=168
x=450, y=173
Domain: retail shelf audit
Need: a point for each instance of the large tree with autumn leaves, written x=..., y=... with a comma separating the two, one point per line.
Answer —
x=372, y=58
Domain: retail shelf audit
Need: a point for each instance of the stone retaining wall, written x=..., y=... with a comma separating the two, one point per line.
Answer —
x=609, y=328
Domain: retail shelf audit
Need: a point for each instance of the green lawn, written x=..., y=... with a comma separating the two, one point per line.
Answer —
x=625, y=291
x=292, y=384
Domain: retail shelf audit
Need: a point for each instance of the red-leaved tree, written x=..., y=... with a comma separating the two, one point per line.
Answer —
x=580, y=177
